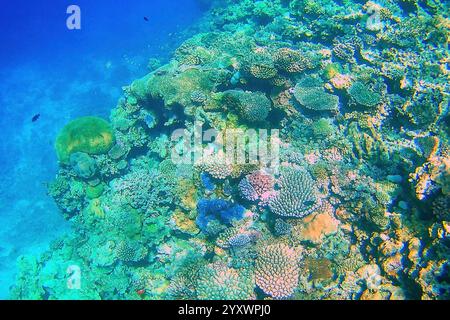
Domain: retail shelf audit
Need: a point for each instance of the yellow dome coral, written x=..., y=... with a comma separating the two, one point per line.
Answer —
x=91, y=135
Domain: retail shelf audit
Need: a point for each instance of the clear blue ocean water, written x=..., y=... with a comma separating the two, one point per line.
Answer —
x=62, y=74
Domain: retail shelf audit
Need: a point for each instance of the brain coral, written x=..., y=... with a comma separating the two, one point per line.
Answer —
x=297, y=194
x=218, y=282
x=91, y=135
x=276, y=270
x=252, y=106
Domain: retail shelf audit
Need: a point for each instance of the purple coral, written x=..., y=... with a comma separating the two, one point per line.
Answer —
x=256, y=186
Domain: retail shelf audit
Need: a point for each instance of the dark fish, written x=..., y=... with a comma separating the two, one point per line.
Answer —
x=146, y=19
x=36, y=117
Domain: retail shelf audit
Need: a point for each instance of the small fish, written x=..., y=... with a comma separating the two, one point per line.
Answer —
x=146, y=19
x=36, y=117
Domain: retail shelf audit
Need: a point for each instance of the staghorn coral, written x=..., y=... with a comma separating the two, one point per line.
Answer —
x=281, y=227
x=141, y=189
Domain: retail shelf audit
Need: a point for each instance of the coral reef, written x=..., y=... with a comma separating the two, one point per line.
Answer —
x=219, y=282
x=356, y=208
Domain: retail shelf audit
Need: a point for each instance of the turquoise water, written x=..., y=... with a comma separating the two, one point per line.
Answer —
x=133, y=161
x=60, y=74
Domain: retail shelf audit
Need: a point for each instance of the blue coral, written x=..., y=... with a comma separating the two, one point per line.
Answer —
x=217, y=209
x=207, y=181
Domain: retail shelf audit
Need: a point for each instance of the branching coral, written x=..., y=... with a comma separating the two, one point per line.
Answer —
x=219, y=282
x=297, y=195
x=276, y=270
x=359, y=103
x=257, y=186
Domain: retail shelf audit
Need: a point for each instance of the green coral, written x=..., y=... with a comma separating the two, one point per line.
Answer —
x=322, y=128
x=309, y=92
x=363, y=95
x=91, y=135
x=316, y=99
x=252, y=106
x=93, y=192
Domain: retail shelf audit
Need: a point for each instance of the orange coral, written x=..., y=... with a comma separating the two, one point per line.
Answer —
x=318, y=226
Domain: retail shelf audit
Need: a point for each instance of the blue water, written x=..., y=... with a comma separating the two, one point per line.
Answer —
x=62, y=74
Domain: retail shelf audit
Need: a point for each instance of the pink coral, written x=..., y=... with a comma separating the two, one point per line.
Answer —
x=257, y=185
x=341, y=81
x=333, y=155
x=276, y=270
x=312, y=158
